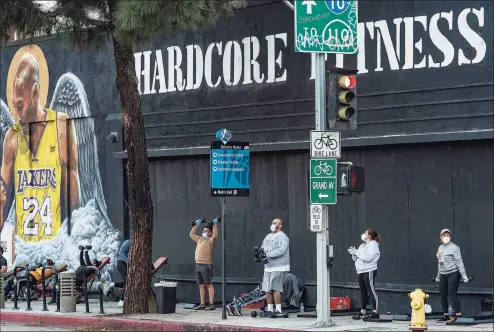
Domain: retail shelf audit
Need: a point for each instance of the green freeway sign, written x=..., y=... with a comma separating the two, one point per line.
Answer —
x=323, y=181
x=326, y=26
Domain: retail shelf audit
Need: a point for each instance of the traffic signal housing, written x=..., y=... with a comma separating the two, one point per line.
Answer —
x=341, y=98
x=350, y=178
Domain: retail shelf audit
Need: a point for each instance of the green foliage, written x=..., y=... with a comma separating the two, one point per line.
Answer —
x=85, y=23
x=140, y=20
x=24, y=15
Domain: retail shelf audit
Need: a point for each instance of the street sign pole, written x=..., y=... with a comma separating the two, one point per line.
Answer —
x=224, y=260
x=322, y=271
x=321, y=27
x=229, y=177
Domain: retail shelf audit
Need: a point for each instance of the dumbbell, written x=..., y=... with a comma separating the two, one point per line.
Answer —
x=211, y=223
x=203, y=220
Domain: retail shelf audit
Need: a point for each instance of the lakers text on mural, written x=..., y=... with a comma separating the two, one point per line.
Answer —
x=328, y=26
x=229, y=169
x=323, y=181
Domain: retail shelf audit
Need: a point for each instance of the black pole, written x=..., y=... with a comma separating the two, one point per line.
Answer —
x=224, y=207
x=86, y=290
x=57, y=291
x=43, y=285
x=100, y=293
x=43, y=288
x=16, y=269
x=28, y=296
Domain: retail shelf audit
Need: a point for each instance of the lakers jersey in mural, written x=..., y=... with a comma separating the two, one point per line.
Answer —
x=37, y=184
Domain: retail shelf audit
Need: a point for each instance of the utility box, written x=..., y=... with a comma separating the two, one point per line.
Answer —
x=68, y=291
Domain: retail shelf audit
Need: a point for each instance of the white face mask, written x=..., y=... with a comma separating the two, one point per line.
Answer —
x=363, y=237
x=205, y=234
x=273, y=228
x=446, y=239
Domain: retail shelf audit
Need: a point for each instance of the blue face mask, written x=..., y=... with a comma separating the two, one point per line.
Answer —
x=43, y=264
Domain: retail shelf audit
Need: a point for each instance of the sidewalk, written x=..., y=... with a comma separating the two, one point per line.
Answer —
x=189, y=320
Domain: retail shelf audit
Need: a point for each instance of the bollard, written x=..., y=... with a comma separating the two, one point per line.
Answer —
x=2, y=297
x=86, y=291
x=17, y=269
x=43, y=286
x=28, y=292
x=67, y=291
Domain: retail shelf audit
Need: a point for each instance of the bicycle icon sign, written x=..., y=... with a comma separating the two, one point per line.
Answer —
x=323, y=168
x=325, y=144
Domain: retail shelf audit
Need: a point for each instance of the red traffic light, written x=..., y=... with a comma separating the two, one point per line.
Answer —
x=347, y=82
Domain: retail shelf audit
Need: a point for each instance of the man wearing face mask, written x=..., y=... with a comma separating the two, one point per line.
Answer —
x=276, y=247
x=450, y=270
x=204, y=261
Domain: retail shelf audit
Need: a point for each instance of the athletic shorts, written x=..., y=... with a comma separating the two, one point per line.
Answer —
x=203, y=273
x=273, y=281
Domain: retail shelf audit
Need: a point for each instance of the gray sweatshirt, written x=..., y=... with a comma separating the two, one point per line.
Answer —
x=367, y=257
x=276, y=246
x=450, y=260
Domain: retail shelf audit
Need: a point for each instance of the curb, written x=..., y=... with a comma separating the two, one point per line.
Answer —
x=110, y=323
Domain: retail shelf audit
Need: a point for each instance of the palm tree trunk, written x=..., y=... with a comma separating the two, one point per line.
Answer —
x=141, y=206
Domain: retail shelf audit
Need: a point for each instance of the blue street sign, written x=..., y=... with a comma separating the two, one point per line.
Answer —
x=229, y=169
x=223, y=135
x=337, y=6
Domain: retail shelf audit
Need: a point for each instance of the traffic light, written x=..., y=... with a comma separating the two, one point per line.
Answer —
x=350, y=178
x=341, y=98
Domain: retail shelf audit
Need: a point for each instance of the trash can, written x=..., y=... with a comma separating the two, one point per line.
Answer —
x=166, y=297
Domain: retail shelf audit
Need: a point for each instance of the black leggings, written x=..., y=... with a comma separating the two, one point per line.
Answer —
x=122, y=267
x=449, y=284
x=367, y=286
x=86, y=256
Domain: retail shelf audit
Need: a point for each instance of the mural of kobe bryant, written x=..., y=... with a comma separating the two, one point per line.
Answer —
x=50, y=168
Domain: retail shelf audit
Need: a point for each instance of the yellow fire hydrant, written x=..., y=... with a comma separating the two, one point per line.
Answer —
x=418, y=318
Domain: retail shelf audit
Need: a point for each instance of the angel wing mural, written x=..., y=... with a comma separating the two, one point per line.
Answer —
x=5, y=124
x=89, y=223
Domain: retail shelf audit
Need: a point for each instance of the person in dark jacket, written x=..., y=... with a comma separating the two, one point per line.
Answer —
x=122, y=267
x=450, y=271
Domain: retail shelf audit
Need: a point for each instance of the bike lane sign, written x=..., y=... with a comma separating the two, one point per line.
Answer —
x=323, y=181
x=325, y=144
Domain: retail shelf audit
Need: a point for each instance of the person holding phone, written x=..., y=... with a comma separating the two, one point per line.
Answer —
x=366, y=261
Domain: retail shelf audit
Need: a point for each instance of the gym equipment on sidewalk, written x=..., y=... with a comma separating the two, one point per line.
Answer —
x=483, y=319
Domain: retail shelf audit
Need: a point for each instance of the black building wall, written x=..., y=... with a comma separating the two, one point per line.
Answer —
x=425, y=137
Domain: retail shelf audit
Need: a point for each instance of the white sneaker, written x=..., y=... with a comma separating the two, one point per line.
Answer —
x=107, y=286
x=121, y=304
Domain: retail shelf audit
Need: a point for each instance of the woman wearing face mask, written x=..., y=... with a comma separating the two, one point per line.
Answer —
x=450, y=270
x=366, y=258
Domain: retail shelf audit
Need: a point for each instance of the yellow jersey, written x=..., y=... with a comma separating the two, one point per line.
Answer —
x=37, y=184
